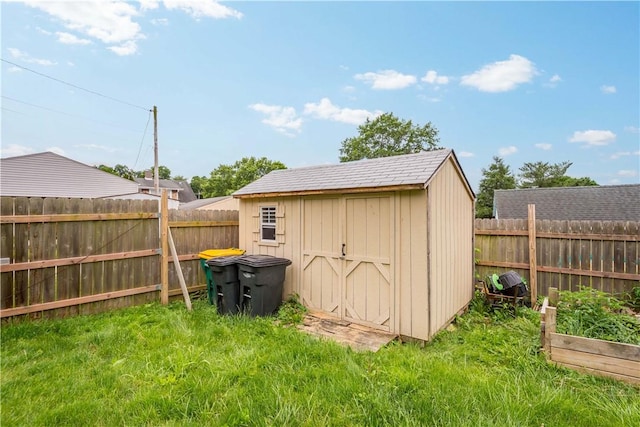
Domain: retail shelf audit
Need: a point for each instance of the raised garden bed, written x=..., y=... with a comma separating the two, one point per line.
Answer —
x=594, y=356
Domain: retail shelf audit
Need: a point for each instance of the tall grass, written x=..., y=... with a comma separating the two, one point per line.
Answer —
x=161, y=365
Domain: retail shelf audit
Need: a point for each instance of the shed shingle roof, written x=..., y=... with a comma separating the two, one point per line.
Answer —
x=395, y=171
x=597, y=203
x=50, y=175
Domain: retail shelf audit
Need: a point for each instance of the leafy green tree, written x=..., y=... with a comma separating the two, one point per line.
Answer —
x=178, y=178
x=106, y=168
x=497, y=177
x=544, y=174
x=124, y=171
x=226, y=179
x=197, y=185
x=569, y=181
x=387, y=135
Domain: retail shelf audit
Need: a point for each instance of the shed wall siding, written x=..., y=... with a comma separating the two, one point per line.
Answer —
x=450, y=245
x=412, y=305
x=289, y=236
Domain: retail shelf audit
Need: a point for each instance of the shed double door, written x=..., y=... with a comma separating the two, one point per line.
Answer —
x=346, y=247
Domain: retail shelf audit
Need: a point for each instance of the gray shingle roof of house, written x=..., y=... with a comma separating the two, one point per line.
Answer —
x=51, y=175
x=597, y=203
x=169, y=184
x=395, y=171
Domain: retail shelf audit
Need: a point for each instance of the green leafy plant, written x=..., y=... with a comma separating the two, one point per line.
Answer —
x=594, y=314
x=291, y=311
x=633, y=298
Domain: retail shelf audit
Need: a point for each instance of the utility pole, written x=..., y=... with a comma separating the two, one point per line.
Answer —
x=156, y=179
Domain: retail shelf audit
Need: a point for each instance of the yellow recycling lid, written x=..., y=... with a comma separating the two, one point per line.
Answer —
x=214, y=253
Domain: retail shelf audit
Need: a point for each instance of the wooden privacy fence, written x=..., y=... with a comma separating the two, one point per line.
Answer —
x=598, y=357
x=561, y=254
x=67, y=256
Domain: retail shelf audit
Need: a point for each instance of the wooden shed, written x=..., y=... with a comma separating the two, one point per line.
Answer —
x=384, y=242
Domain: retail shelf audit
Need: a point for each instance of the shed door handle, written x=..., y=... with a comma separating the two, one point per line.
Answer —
x=344, y=246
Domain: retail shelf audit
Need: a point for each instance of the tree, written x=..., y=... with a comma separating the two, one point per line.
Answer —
x=497, y=177
x=124, y=171
x=543, y=174
x=197, y=185
x=106, y=168
x=387, y=135
x=226, y=179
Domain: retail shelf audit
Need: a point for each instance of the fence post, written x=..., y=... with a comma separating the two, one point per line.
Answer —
x=549, y=328
x=553, y=297
x=164, y=244
x=533, y=260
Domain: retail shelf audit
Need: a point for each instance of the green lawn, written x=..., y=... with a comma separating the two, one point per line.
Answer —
x=155, y=365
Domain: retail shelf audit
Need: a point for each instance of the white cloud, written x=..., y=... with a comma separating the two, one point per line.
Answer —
x=544, y=146
x=160, y=21
x=387, y=79
x=114, y=22
x=326, y=110
x=553, y=81
x=466, y=154
x=501, y=76
x=13, y=150
x=127, y=48
x=67, y=38
x=432, y=77
x=348, y=89
x=148, y=4
x=25, y=57
x=43, y=31
x=608, y=90
x=282, y=119
x=344, y=68
x=619, y=154
x=109, y=22
x=632, y=129
x=14, y=69
x=630, y=173
x=506, y=151
x=203, y=8
x=593, y=137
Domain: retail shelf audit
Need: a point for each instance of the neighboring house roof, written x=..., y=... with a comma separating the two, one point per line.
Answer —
x=51, y=175
x=596, y=203
x=185, y=192
x=202, y=202
x=186, y=195
x=409, y=171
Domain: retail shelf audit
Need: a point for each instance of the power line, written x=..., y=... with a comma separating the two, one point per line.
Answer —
x=76, y=86
x=143, y=135
x=66, y=114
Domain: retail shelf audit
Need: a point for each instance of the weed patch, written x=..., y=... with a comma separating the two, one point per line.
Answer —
x=594, y=314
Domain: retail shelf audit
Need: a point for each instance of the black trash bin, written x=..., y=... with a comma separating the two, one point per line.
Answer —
x=261, y=279
x=224, y=272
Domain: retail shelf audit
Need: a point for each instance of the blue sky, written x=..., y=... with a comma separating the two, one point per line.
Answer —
x=536, y=81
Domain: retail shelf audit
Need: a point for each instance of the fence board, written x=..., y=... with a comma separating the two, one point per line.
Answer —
x=569, y=254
